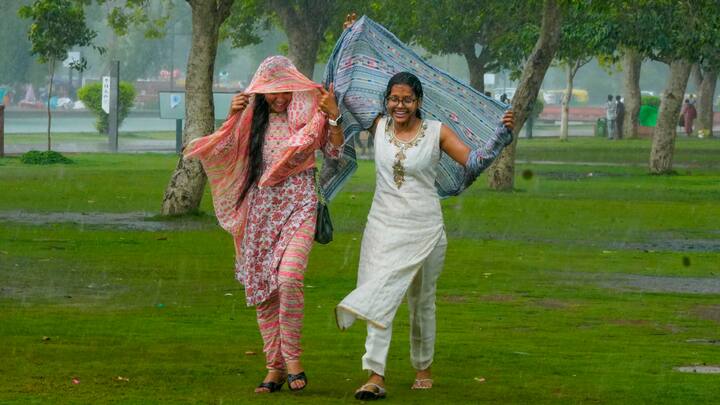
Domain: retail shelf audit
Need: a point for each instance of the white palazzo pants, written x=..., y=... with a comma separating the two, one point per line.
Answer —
x=421, y=306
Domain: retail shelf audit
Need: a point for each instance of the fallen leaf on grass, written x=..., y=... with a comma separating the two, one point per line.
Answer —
x=250, y=353
x=480, y=379
x=46, y=338
x=121, y=378
x=75, y=381
x=161, y=238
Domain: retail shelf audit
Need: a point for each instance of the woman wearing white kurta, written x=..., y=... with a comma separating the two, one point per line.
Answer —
x=403, y=247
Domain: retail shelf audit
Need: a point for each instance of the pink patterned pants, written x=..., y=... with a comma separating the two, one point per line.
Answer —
x=280, y=317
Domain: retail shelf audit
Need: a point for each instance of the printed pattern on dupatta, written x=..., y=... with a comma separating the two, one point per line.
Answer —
x=365, y=57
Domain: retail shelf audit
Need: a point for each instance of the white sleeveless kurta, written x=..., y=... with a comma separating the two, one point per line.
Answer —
x=404, y=225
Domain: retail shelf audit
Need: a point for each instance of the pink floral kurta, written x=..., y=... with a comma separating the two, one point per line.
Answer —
x=274, y=215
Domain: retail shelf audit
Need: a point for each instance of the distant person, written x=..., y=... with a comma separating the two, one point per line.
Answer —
x=689, y=113
x=620, y=115
x=611, y=116
x=504, y=98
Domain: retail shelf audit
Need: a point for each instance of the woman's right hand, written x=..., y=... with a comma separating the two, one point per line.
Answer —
x=349, y=20
x=239, y=102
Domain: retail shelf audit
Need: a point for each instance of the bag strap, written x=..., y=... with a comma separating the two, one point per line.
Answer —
x=318, y=191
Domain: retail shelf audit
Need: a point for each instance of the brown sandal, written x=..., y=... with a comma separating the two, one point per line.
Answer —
x=370, y=392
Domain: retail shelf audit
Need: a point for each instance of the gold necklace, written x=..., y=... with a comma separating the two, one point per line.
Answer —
x=402, y=147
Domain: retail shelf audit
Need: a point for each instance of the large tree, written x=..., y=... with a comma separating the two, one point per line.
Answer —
x=306, y=23
x=501, y=174
x=679, y=33
x=631, y=64
x=706, y=81
x=187, y=183
x=185, y=189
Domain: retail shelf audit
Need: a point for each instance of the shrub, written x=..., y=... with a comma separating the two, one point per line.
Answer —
x=43, y=158
x=650, y=100
x=91, y=96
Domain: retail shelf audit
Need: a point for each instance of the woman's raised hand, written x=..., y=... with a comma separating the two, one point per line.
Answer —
x=239, y=102
x=508, y=120
x=349, y=20
x=328, y=103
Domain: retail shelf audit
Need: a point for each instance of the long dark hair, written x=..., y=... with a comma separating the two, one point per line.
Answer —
x=261, y=115
x=409, y=79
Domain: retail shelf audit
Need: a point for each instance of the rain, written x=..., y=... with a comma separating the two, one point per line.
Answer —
x=160, y=242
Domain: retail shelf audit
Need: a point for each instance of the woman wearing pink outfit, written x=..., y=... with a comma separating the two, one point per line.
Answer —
x=260, y=165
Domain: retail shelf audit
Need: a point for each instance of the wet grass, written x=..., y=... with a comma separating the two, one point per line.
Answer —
x=690, y=152
x=532, y=298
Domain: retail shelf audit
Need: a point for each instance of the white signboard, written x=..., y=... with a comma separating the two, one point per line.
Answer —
x=106, y=94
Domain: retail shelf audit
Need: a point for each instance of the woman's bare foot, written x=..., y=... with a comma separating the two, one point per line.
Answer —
x=295, y=367
x=423, y=380
x=273, y=381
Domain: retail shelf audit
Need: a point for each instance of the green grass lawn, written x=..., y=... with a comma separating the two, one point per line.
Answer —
x=587, y=284
x=690, y=152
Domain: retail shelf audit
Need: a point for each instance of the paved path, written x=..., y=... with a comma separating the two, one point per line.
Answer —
x=133, y=146
x=64, y=122
x=73, y=122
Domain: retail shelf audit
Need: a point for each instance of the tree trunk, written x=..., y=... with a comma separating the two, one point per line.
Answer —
x=567, y=97
x=476, y=67
x=501, y=173
x=303, y=45
x=185, y=190
x=706, y=93
x=663, y=143
x=632, y=64
x=305, y=28
x=49, y=114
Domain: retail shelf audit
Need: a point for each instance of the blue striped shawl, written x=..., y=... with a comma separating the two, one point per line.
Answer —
x=364, y=59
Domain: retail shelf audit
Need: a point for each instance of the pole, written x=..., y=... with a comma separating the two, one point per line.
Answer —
x=71, y=93
x=113, y=115
x=172, y=60
x=178, y=136
x=2, y=130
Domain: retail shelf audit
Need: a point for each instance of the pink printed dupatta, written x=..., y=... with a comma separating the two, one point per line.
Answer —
x=225, y=153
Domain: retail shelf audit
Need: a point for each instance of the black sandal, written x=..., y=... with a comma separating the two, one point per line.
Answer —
x=297, y=377
x=272, y=386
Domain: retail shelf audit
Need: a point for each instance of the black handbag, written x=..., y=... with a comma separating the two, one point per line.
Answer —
x=323, y=223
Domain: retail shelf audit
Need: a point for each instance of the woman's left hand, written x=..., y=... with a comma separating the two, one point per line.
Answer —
x=328, y=103
x=508, y=120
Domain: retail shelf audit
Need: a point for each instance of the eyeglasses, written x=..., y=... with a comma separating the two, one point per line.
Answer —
x=406, y=101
